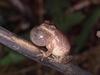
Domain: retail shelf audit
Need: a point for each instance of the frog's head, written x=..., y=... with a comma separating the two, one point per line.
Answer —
x=48, y=25
x=39, y=36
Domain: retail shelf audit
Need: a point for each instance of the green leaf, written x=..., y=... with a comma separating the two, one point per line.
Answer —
x=11, y=58
x=66, y=22
x=87, y=28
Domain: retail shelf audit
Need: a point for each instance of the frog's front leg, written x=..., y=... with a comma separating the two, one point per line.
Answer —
x=45, y=55
x=49, y=47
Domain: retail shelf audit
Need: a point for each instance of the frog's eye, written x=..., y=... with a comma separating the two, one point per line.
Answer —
x=51, y=27
x=38, y=37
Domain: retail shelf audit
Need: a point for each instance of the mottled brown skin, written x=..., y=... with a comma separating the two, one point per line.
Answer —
x=56, y=43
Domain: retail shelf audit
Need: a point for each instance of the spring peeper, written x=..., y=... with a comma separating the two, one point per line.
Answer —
x=53, y=39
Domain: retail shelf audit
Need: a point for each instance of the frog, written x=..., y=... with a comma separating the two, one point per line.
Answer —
x=49, y=36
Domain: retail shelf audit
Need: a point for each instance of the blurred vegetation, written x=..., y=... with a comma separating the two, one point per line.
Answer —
x=80, y=26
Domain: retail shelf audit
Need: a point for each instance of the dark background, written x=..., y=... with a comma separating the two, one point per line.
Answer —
x=78, y=19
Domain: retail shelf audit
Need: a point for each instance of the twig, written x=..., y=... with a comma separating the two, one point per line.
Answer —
x=78, y=6
x=29, y=50
x=81, y=5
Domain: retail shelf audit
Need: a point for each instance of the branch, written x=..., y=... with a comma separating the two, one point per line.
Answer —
x=26, y=48
x=82, y=4
x=78, y=6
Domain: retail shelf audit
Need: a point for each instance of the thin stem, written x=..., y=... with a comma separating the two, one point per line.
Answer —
x=29, y=50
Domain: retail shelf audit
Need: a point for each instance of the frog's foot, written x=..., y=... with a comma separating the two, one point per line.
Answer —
x=44, y=55
x=59, y=59
x=54, y=58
